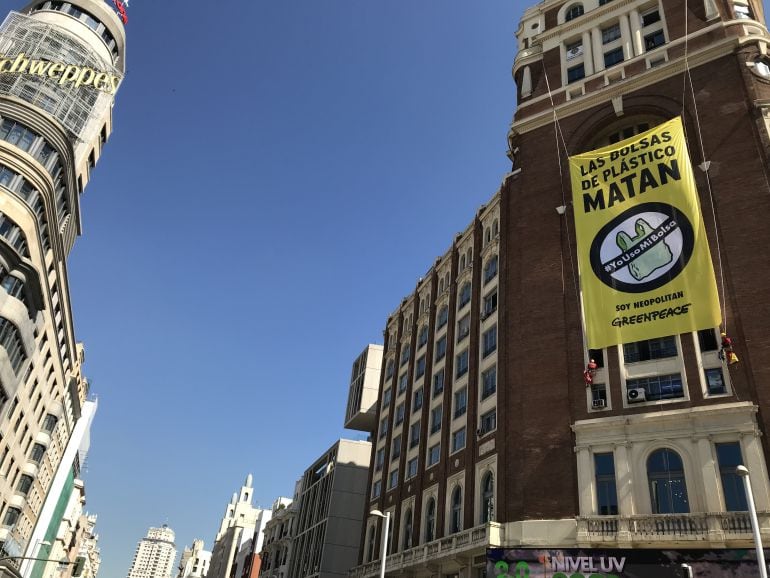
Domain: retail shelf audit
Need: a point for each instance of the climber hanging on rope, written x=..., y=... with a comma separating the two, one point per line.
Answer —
x=727, y=353
x=589, y=373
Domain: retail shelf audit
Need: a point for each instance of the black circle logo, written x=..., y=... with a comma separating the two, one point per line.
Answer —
x=643, y=248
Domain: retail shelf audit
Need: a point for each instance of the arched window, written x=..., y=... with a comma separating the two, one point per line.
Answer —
x=370, y=544
x=406, y=542
x=668, y=491
x=487, y=498
x=573, y=12
x=430, y=520
x=455, y=515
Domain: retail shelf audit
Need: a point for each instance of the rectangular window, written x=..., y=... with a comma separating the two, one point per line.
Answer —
x=438, y=382
x=490, y=270
x=434, y=453
x=417, y=400
x=400, y=410
x=613, y=57
x=611, y=34
x=574, y=49
x=715, y=381
x=435, y=419
x=441, y=348
x=490, y=304
x=443, y=317
x=25, y=483
x=707, y=339
x=575, y=73
x=465, y=296
x=379, y=459
x=383, y=427
x=376, y=489
x=386, y=398
x=650, y=17
x=11, y=515
x=654, y=39
x=463, y=327
x=393, y=479
x=729, y=458
x=598, y=395
x=488, y=382
x=395, y=448
x=458, y=439
x=488, y=422
x=37, y=453
x=490, y=341
x=658, y=348
x=462, y=364
x=411, y=468
x=420, y=368
x=389, y=369
x=403, y=382
x=414, y=435
x=461, y=402
x=606, y=493
x=405, y=353
x=658, y=387
x=597, y=355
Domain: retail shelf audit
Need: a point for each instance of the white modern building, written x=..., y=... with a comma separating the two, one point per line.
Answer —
x=155, y=554
x=195, y=561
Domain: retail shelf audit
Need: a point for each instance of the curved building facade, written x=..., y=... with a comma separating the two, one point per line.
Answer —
x=60, y=66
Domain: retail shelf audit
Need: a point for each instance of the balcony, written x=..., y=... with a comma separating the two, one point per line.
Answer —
x=461, y=544
x=713, y=528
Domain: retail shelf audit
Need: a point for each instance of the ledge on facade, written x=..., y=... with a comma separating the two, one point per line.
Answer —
x=489, y=535
x=716, y=529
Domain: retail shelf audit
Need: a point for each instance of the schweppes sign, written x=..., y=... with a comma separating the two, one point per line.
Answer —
x=644, y=259
x=66, y=74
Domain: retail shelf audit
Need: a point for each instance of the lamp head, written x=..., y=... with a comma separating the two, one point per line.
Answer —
x=742, y=471
x=377, y=513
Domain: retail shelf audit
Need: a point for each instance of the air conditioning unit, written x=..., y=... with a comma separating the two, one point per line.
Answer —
x=598, y=404
x=636, y=394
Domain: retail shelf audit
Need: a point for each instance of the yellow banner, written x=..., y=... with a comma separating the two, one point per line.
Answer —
x=645, y=265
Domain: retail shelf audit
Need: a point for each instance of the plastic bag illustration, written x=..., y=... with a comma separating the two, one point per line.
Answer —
x=654, y=258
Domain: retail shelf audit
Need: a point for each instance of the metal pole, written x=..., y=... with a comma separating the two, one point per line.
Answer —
x=386, y=524
x=755, y=527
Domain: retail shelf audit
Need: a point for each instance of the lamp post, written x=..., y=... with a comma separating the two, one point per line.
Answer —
x=386, y=525
x=743, y=472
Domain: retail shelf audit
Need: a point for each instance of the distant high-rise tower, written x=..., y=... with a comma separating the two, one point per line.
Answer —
x=194, y=562
x=155, y=554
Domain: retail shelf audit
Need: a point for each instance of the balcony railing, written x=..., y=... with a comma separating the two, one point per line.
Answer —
x=478, y=537
x=711, y=527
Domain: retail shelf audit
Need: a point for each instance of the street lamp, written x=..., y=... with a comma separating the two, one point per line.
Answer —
x=743, y=472
x=386, y=524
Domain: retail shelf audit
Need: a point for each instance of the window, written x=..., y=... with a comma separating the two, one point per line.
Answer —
x=490, y=269
x=488, y=422
x=379, y=459
x=10, y=340
x=658, y=348
x=465, y=296
x=613, y=57
x=598, y=395
x=411, y=468
x=435, y=419
x=715, y=381
x=434, y=453
x=668, y=491
x=462, y=364
x=405, y=353
x=386, y=398
x=443, y=317
x=37, y=453
x=654, y=39
x=597, y=355
x=659, y=386
x=438, y=382
x=407, y=539
x=455, y=515
x=575, y=73
x=461, y=402
x=650, y=17
x=742, y=11
x=610, y=34
x=383, y=427
x=414, y=434
x=490, y=341
x=430, y=520
x=393, y=479
x=490, y=304
x=441, y=348
x=417, y=400
x=400, y=411
x=391, y=367
x=420, y=368
x=488, y=382
x=11, y=515
x=707, y=339
x=573, y=12
x=403, y=382
x=458, y=439
x=463, y=328
x=574, y=49
x=487, y=498
x=729, y=458
x=606, y=492
x=377, y=489
x=422, y=337
x=25, y=483
x=395, y=452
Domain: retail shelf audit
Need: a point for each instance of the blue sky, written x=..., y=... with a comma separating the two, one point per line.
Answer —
x=279, y=177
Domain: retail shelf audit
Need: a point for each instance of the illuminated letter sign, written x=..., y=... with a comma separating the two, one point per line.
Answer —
x=645, y=265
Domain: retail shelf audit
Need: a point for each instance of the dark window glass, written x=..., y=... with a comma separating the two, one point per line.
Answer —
x=653, y=40
x=650, y=17
x=422, y=339
x=443, y=317
x=487, y=498
x=405, y=352
x=25, y=483
x=407, y=539
x=420, y=367
x=606, y=493
x=729, y=458
x=707, y=338
x=455, y=524
x=395, y=452
x=461, y=402
x=490, y=341
x=490, y=304
x=463, y=328
x=490, y=269
x=668, y=491
x=576, y=73
x=417, y=400
x=649, y=349
x=659, y=387
x=438, y=382
x=462, y=364
x=488, y=422
x=715, y=381
x=488, y=382
x=613, y=57
x=414, y=434
x=37, y=453
x=441, y=348
x=573, y=12
x=611, y=34
x=597, y=355
x=430, y=520
x=465, y=296
x=435, y=419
